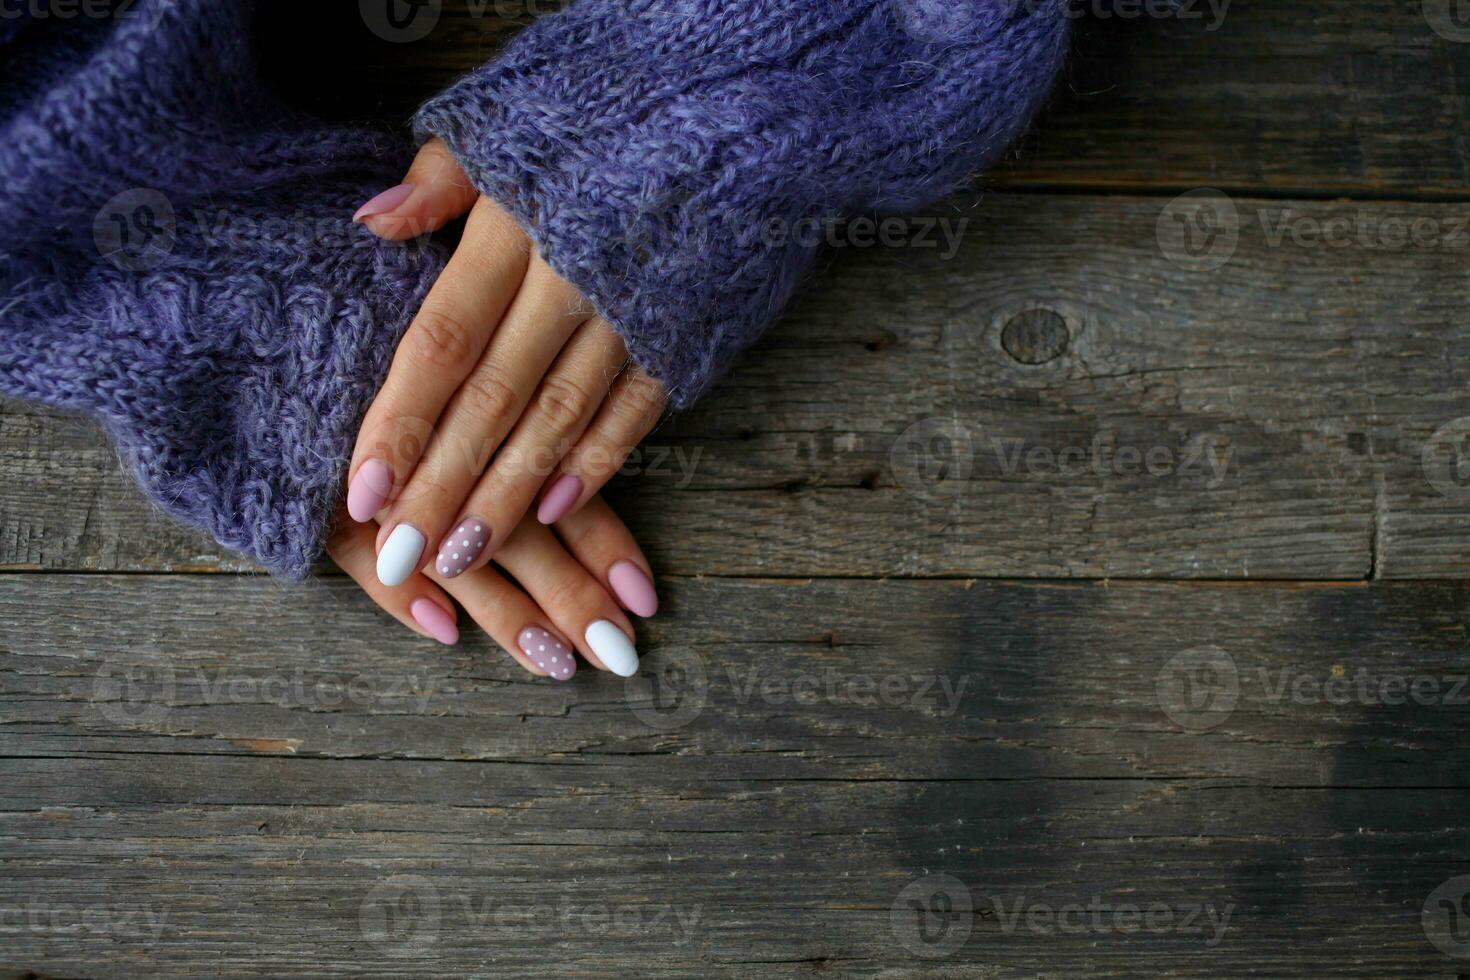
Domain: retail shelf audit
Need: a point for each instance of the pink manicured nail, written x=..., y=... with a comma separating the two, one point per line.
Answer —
x=633, y=589
x=462, y=547
x=548, y=653
x=435, y=621
x=384, y=202
x=369, y=490
x=559, y=499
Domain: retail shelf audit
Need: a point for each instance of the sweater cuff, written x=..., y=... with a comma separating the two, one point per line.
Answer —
x=657, y=157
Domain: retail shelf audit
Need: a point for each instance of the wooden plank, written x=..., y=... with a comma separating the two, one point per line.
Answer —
x=1066, y=394
x=1349, y=96
x=698, y=820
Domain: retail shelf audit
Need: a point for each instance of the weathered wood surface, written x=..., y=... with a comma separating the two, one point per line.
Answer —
x=285, y=781
x=1271, y=418
x=1354, y=97
x=200, y=764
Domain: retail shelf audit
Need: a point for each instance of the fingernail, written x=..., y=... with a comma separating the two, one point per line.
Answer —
x=633, y=589
x=613, y=648
x=369, y=490
x=559, y=499
x=400, y=555
x=462, y=547
x=384, y=202
x=435, y=621
x=548, y=653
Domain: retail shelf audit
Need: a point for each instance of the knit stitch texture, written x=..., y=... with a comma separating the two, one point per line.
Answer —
x=178, y=261
x=662, y=153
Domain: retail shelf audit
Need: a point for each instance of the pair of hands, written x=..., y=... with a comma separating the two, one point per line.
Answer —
x=507, y=391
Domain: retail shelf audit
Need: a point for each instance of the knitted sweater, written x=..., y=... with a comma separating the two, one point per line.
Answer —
x=178, y=258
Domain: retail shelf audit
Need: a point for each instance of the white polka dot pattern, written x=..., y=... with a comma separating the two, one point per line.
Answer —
x=461, y=548
x=548, y=653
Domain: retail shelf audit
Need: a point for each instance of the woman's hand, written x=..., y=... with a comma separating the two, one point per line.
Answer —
x=506, y=385
x=562, y=601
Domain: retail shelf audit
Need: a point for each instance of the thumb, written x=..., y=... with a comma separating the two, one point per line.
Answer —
x=435, y=192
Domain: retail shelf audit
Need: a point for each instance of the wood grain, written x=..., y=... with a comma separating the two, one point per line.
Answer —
x=1361, y=97
x=898, y=640
x=794, y=757
x=1267, y=419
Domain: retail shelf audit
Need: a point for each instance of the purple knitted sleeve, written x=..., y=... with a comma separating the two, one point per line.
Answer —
x=658, y=152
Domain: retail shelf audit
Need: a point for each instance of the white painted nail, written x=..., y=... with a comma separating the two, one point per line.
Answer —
x=613, y=648
x=400, y=555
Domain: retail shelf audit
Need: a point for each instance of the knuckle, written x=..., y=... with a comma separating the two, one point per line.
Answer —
x=642, y=399
x=569, y=593
x=489, y=396
x=441, y=340
x=563, y=402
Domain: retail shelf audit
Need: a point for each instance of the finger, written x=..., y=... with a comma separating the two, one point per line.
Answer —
x=546, y=312
x=633, y=407
x=439, y=350
x=417, y=604
x=569, y=594
x=515, y=622
x=562, y=407
x=435, y=192
x=606, y=548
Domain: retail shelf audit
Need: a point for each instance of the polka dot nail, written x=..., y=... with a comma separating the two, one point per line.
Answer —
x=462, y=547
x=548, y=653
